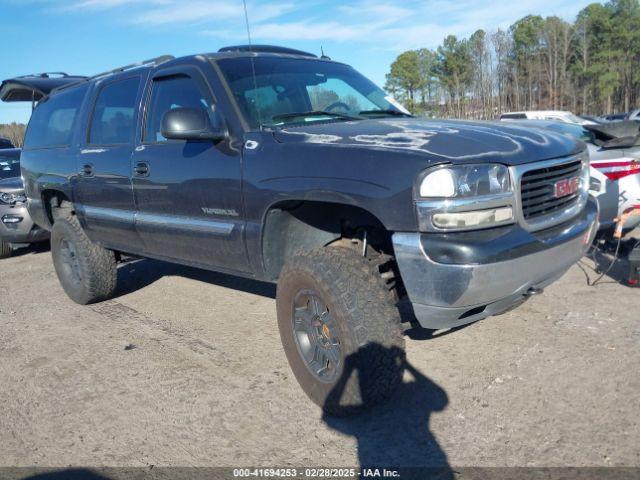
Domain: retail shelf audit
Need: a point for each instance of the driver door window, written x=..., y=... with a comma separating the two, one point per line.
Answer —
x=173, y=92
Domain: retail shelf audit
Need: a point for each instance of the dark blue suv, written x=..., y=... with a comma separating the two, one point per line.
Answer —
x=274, y=164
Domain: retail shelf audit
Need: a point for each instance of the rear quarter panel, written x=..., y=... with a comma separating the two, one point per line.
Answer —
x=45, y=169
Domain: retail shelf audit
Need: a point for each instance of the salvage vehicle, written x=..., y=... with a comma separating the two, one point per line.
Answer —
x=614, y=151
x=16, y=227
x=274, y=164
x=558, y=115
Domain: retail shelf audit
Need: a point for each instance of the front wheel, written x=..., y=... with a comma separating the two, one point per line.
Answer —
x=340, y=329
x=87, y=272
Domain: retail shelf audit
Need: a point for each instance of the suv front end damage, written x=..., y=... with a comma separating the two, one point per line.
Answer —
x=482, y=252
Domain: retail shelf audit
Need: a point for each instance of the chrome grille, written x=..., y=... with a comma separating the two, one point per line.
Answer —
x=537, y=190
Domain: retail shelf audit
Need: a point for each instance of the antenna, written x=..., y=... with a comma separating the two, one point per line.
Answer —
x=246, y=20
x=253, y=65
x=322, y=55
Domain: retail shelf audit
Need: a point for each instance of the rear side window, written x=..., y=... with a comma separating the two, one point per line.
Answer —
x=52, y=121
x=173, y=92
x=112, y=122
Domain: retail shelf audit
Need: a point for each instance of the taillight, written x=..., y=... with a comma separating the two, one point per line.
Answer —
x=617, y=168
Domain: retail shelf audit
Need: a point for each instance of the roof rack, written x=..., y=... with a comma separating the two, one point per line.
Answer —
x=150, y=62
x=266, y=49
x=48, y=75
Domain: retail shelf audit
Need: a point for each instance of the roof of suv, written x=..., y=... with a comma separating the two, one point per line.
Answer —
x=225, y=52
x=36, y=87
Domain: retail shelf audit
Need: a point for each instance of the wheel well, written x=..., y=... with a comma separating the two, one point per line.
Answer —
x=52, y=198
x=304, y=225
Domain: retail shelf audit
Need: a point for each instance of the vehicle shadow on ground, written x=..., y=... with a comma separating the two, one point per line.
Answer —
x=68, y=474
x=395, y=434
x=137, y=274
x=601, y=260
x=32, y=249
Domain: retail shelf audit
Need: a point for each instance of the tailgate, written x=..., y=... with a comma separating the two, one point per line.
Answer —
x=32, y=88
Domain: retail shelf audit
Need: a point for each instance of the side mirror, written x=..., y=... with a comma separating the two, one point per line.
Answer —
x=189, y=124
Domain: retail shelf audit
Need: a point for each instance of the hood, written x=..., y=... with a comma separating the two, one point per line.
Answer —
x=10, y=153
x=441, y=140
x=622, y=129
x=11, y=184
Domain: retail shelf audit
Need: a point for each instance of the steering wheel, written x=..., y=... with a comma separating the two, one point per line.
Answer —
x=334, y=105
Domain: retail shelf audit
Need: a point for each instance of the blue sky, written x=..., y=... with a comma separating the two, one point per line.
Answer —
x=89, y=36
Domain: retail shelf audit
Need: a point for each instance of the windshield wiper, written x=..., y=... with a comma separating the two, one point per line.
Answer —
x=388, y=111
x=313, y=113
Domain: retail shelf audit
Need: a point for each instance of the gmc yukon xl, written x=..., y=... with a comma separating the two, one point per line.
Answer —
x=277, y=165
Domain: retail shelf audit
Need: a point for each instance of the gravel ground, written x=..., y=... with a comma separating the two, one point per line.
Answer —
x=185, y=368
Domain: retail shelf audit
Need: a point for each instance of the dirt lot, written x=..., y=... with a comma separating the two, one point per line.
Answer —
x=185, y=368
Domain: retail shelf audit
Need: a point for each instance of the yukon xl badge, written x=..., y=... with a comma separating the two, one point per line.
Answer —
x=565, y=187
x=223, y=212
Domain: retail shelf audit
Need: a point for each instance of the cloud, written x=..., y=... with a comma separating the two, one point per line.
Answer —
x=393, y=25
x=195, y=12
x=179, y=12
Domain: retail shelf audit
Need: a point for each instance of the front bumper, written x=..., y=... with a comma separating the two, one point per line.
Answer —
x=16, y=226
x=453, y=279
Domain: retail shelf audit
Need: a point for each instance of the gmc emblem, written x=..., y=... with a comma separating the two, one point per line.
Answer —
x=565, y=187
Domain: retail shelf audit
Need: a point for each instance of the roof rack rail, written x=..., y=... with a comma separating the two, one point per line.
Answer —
x=47, y=75
x=151, y=61
x=266, y=49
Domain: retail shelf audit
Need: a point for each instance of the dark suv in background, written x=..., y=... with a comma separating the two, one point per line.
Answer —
x=17, y=229
x=274, y=164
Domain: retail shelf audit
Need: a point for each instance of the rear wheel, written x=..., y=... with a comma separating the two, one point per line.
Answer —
x=5, y=249
x=340, y=329
x=87, y=272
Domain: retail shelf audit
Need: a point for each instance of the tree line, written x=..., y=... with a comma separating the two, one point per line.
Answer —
x=590, y=66
x=14, y=132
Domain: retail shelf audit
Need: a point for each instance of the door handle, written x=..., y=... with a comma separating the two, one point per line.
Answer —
x=87, y=170
x=141, y=169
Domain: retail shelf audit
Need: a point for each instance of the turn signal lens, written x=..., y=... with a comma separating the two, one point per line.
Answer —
x=479, y=218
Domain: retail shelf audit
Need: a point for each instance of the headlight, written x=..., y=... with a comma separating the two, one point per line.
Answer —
x=465, y=181
x=12, y=198
x=465, y=197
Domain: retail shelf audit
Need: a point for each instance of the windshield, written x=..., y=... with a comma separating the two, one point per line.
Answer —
x=9, y=167
x=294, y=90
x=576, y=131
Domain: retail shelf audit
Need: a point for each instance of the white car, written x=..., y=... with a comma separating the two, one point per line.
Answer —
x=634, y=114
x=615, y=166
x=557, y=115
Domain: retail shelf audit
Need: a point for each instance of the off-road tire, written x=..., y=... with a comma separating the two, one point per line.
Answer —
x=5, y=249
x=96, y=271
x=367, y=321
x=61, y=209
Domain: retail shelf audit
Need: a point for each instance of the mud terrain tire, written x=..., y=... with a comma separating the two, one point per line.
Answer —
x=87, y=272
x=362, y=313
